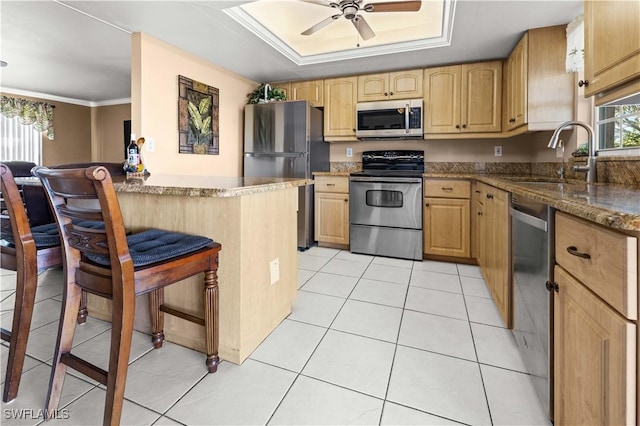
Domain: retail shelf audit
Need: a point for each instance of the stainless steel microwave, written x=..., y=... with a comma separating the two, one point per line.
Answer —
x=400, y=119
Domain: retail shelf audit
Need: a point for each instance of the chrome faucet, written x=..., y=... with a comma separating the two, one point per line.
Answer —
x=590, y=168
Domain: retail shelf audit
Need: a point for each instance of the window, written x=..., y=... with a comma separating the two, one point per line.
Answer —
x=618, y=127
x=19, y=142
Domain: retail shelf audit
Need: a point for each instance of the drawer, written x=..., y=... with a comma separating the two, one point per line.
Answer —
x=332, y=184
x=447, y=188
x=604, y=260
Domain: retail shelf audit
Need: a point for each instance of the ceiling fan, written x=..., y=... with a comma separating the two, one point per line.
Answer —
x=350, y=9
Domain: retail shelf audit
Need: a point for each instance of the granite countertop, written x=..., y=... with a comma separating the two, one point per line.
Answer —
x=205, y=186
x=336, y=173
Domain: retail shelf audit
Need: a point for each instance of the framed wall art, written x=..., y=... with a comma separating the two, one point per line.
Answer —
x=198, y=117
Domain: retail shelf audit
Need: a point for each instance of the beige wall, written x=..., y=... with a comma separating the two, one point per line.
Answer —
x=107, y=132
x=155, y=67
x=72, y=128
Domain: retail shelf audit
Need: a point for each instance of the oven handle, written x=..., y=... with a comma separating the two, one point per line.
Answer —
x=406, y=118
x=385, y=180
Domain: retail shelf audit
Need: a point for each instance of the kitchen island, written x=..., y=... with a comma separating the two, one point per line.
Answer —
x=255, y=220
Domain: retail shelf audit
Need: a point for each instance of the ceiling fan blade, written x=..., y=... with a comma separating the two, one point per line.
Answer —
x=394, y=6
x=363, y=27
x=318, y=2
x=320, y=25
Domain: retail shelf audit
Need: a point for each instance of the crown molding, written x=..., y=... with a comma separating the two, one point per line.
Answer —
x=91, y=104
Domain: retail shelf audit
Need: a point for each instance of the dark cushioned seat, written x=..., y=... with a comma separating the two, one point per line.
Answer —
x=155, y=245
x=47, y=235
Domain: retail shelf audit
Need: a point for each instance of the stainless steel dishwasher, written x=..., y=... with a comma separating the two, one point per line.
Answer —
x=533, y=253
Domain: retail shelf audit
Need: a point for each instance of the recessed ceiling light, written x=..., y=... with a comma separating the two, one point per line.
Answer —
x=3, y=64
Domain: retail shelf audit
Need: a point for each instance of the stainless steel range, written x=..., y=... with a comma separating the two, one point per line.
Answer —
x=385, y=204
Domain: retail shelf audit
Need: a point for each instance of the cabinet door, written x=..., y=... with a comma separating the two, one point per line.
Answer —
x=340, y=106
x=285, y=86
x=499, y=234
x=405, y=84
x=312, y=91
x=594, y=359
x=446, y=227
x=373, y=87
x=612, y=43
x=442, y=99
x=481, y=103
x=517, y=64
x=332, y=218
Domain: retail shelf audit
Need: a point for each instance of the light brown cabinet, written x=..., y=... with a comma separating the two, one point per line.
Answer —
x=285, y=86
x=393, y=85
x=332, y=211
x=463, y=98
x=612, y=44
x=340, y=95
x=493, y=245
x=311, y=90
x=595, y=330
x=446, y=222
x=538, y=92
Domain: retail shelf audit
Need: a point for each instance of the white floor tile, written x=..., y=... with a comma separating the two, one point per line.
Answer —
x=475, y=287
x=290, y=345
x=52, y=276
x=436, y=302
x=380, y=292
x=350, y=268
x=314, y=308
x=303, y=276
x=394, y=414
x=322, y=251
x=166, y=421
x=369, y=320
x=487, y=338
x=311, y=263
x=435, y=266
x=483, y=311
x=436, y=333
x=353, y=362
x=246, y=394
x=45, y=312
x=311, y=402
x=390, y=274
x=89, y=410
x=29, y=363
x=331, y=284
x=390, y=261
x=355, y=257
x=436, y=281
x=96, y=350
x=438, y=384
x=163, y=376
x=469, y=270
x=33, y=391
x=512, y=398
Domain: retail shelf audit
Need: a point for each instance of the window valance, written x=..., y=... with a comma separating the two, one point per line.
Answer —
x=38, y=114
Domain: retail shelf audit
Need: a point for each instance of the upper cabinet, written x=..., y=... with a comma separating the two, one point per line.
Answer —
x=393, y=85
x=340, y=95
x=538, y=92
x=312, y=91
x=612, y=44
x=285, y=86
x=463, y=98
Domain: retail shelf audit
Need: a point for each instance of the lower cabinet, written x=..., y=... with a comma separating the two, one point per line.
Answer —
x=332, y=211
x=446, y=218
x=493, y=244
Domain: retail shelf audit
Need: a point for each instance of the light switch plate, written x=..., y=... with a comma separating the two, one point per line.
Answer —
x=349, y=152
x=150, y=144
x=274, y=267
x=497, y=151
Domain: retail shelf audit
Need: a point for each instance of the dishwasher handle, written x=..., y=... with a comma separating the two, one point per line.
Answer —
x=529, y=220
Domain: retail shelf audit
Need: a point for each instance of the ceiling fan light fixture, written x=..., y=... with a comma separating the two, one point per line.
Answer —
x=350, y=12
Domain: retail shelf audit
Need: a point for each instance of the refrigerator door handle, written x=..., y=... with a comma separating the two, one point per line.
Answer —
x=275, y=154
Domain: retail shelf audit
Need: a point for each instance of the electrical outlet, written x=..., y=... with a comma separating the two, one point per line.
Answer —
x=497, y=151
x=274, y=267
x=349, y=152
x=150, y=144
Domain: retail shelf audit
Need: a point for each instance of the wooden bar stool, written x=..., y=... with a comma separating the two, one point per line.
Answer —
x=26, y=251
x=111, y=264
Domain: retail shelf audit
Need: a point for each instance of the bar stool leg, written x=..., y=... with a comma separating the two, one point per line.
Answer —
x=156, y=300
x=211, y=304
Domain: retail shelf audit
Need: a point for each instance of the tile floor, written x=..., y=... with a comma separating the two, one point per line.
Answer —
x=371, y=340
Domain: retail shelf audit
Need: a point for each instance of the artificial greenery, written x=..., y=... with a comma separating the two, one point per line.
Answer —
x=273, y=94
x=200, y=120
x=582, y=151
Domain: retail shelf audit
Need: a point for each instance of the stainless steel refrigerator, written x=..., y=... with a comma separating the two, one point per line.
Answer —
x=284, y=139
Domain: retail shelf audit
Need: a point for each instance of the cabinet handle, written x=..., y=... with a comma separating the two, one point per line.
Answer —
x=457, y=126
x=426, y=204
x=512, y=120
x=386, y=94
x=478, y=192
x=331, y=184
x=574, y=251
x=490, y=196
x=584, y=83
x=447, y=189
x=346, y=200
x=479, y=213
x=464, y=126
x=552, y=286
x=390, y=93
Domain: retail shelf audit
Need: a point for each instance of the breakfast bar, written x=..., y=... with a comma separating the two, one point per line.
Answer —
x=255, y=221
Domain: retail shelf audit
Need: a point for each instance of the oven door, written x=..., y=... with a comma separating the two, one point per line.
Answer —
x=390, y=202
